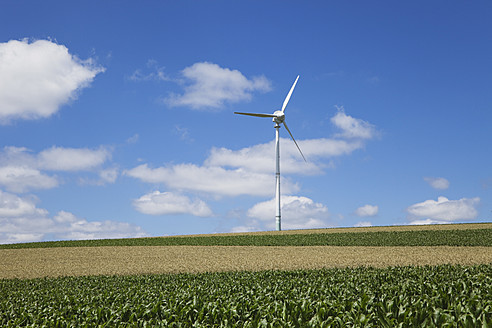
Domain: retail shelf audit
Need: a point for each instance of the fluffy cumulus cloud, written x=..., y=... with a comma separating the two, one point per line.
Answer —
x=22, y=221
x=165, y=203
x=212, y=180
x=437, y=183
x=36, y=78
x=297, y=213
x=71, y=159
x=22, y=179
x=68, y=226
x=207, y=85
x=14, y=206
x=443, y=210
x=367, y=210
x=22, y=170
x=353, y=127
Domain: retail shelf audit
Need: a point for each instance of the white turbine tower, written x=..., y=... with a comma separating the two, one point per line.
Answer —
x=279, y=118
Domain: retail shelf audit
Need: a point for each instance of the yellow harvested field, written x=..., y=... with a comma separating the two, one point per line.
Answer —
x=127, y=260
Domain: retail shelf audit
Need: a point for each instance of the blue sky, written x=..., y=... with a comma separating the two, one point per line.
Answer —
x=116, y=117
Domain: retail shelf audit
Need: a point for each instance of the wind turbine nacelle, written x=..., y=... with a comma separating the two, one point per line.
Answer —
x=279, y=117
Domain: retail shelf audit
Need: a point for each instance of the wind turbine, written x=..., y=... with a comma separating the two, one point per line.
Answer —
x=278, y=117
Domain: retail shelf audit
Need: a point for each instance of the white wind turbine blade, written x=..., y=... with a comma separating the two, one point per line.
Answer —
x=295, y=142
x=256, y=114
x=289, y=94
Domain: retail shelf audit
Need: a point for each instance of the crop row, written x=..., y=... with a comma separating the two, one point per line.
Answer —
x=455, y=296
x=475, y=237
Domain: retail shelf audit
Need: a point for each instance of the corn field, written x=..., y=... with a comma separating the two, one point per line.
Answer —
x=426, y=296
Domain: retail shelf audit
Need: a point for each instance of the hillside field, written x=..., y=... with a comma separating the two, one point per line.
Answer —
x=353, y=277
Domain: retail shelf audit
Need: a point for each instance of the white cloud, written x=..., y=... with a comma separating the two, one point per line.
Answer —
x=258, y=158
x=210, y=86
x=166, y=203
x=352, y=127
x=13, y=238
x=297, y=213
x=21, y=179
x=22, y=221
x=261, y=158
x=444, y=210
x=245, y=228
x=14, y=206
x=20, y=169
x=427, y=222
x=74, y=228
x=17, y=156
x=71, y=159
x=367, y=210
x=437, y=183
x=56, y=158
x=215, y=180
x=361, y=224
x=37, y=78
x=65, y=217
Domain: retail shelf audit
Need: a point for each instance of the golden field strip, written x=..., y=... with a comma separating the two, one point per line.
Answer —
x=129, y=260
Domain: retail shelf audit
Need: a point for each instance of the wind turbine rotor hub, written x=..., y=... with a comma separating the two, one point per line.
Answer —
x=279, y=117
